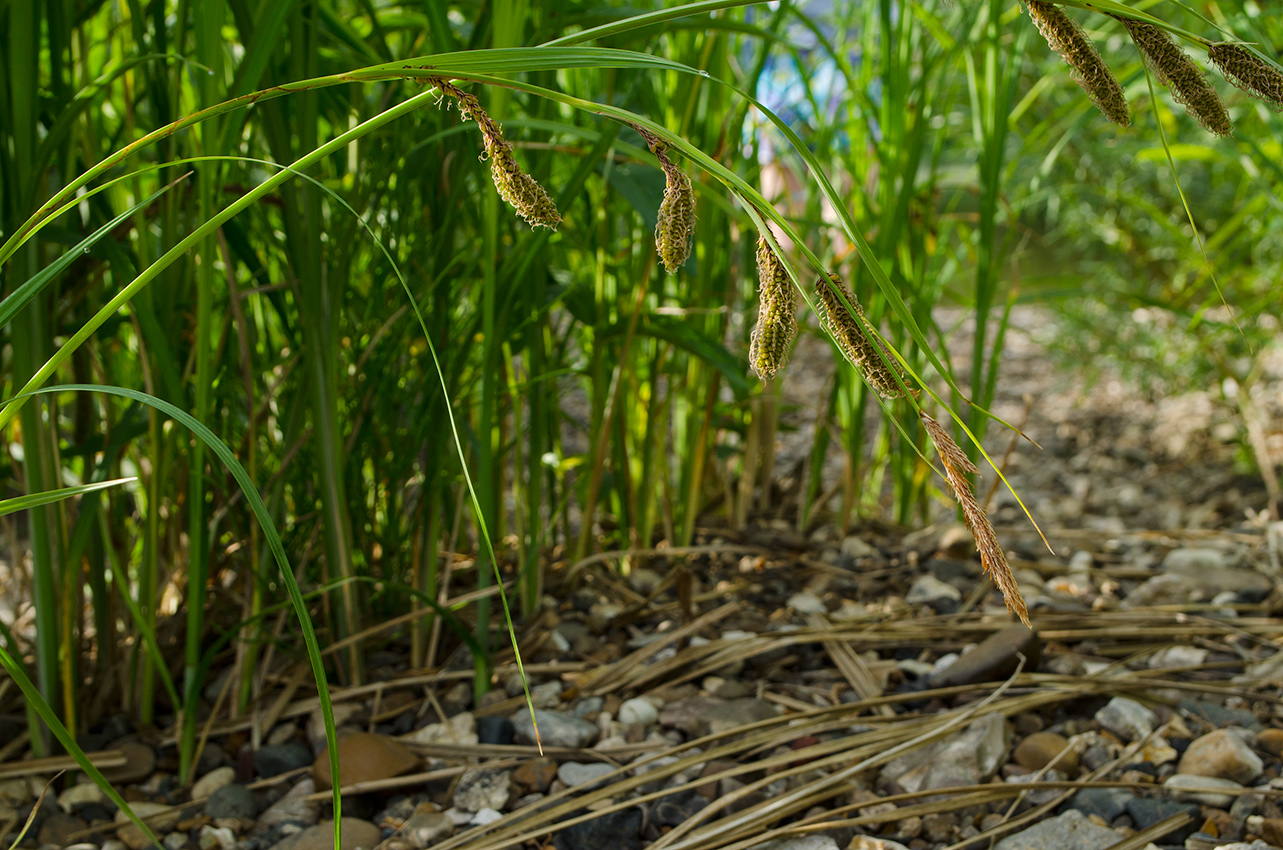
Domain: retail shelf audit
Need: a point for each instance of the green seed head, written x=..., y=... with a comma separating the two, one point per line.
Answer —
x=857, y=340
x=676, y=221
x=1181, y=75
x=1249, y=72
x=1090, y=71
x=769, y=344
x=522, y=192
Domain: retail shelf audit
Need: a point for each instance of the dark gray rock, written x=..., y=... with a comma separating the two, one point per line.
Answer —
x=994, y=659
x=232, y=801
x=274, y=760
x=1218, y=715
x=495, y=730
x=1145, y=813
x=617, y=831
x=1108, y=803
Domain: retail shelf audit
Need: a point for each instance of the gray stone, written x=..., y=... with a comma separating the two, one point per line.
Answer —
x=574, y=773
x=84, y=794
x=425, y=829
x=1194, y=560
x=732, y=715
x=140, y=764
x=556, y=729
x=968, y=758
x=216, y=838
x=482, y=788
x=1258, y=844
x=294, y=807
x=212, y=781
x=1165, y=589
x=232, y=801
x=799, y=842
x=638, y=711
x=460, y=729
x=134, y=837
x=1127, y=718
x=1189, y=780
x=806, y=602
x=1069, y=831
x=929, y=590
x=1177, y=656
x=1219, y=715
x=855, y=548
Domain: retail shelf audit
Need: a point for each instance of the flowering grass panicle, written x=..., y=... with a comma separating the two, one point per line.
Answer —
x=1176, y=70
x=675, y=223
x=1249, y=72
x=522, y=192
x=1067, y=38
x=768, y=349
x=956, y=467
x=857, y=339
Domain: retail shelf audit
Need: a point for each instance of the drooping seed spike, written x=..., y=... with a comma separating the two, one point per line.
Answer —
x=772, y=336
x=1249, y=72
x=1176, y=70
x=1067, y=38
x=768, y=348
x=675, y=223
x=853, y=335
x=992, y=555
x=522, y=192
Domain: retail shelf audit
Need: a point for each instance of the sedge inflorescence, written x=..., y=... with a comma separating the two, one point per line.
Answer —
x=776, y=326
x=1176, y=70
x=1067, y=38
x=522, y=192
x=858, y=341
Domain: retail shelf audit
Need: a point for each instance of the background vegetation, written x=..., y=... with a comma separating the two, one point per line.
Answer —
x=322, y=273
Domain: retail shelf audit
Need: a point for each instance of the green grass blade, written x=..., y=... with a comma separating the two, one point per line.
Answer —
x=21, y=503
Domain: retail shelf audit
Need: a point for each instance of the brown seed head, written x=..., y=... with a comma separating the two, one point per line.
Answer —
x=522, y=192
x=768, y=349
x=853, y=336
x=994, y=559
x=1090, y=71
x=1181, y=75
x=1249, y=72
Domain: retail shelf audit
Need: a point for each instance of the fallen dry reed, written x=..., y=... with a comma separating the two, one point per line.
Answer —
x=1182, y=76
x=956, y=467
x=776, y=326
x=522, y=192
x=1067, y=38
x=857, y=339
x=1249, y=72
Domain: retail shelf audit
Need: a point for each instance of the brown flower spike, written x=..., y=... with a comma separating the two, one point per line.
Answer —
x=768, y=348
x=1249, y=72
x=852, y=334
x=956, y=466
x=522, y=192
x=1090, y=71
x=1181, y=75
